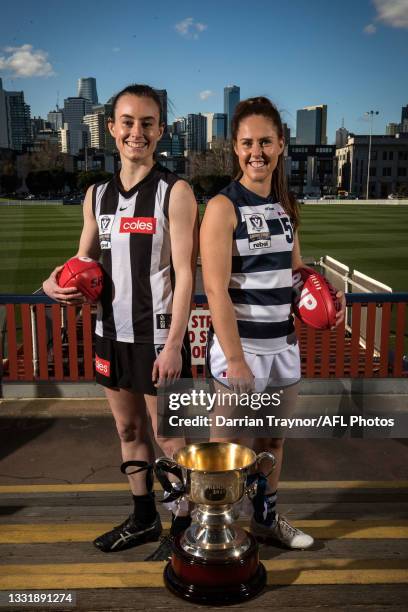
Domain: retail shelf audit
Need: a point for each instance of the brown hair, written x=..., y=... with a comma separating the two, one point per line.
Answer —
x=279, y=187
x=142, y=91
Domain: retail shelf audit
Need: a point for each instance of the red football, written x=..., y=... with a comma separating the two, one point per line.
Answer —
x=85, y=274
x=315, y=301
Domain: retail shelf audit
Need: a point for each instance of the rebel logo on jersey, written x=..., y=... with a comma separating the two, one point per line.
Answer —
x=138, y=225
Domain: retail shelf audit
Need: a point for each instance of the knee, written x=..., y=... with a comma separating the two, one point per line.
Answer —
x=128, y=432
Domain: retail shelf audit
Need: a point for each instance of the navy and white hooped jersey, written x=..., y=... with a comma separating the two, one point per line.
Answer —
x=134, y=238
x=260, y=286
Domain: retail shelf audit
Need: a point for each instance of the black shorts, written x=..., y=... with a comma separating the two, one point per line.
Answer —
x=125, y=365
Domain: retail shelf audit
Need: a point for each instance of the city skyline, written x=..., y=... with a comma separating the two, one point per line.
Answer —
x=340, y=60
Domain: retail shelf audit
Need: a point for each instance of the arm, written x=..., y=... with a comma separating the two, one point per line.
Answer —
x=216, y=251
x=88, y=247
x=183, y=220
x=298, y=263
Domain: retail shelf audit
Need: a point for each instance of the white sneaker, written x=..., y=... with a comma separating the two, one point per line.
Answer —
x=282, y=531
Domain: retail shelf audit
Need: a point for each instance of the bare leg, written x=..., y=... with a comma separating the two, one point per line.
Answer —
x=129, y=412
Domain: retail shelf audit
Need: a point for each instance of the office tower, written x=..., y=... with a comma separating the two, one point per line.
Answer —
x=56, y=119
x=341, y=137
x=231, y=99
x=196, y=133
x=4, y=142
x=96, y=124
x=106, y=111
x=87, y=89
x=74, y=111
x=162, y=93
x=209, y=136
x=392, y=128
x=404, y=114
x=74, y=137
x=15, y=123
x=311, y=125
x=286, y=133
x=219, y=126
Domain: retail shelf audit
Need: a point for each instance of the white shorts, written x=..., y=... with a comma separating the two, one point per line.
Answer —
x=271, y=370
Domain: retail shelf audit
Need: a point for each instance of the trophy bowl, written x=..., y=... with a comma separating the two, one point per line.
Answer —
x=213, y=561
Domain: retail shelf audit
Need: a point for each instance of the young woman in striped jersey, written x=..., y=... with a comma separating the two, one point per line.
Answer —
x=249, y=246
x=141, y=224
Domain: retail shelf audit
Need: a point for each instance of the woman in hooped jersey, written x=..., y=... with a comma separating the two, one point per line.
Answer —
x=142, y=225
x=249, y=246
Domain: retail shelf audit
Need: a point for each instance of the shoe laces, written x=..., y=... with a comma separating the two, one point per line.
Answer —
x=286, y=527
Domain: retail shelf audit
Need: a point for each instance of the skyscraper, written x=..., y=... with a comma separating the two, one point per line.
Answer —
x=404, y=114
x=96, y=124
x=78, y=134
x=75, y=109
x=4, y=141
x=219, y=126
x=56, y=118
x=196, y=133
x=162, y=93
x=15, y=123
x=87, y=89
x=311, y=124
x=209, y=117
x=231, y=99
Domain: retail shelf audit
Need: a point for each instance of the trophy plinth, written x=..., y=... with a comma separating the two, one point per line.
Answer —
x=213, y=561
x=215, y=581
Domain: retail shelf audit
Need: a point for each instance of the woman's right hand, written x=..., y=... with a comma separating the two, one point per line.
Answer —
x=63, y=295
x=240, y=377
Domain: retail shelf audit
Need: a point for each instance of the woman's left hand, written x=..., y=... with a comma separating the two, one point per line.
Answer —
x=167, y=367
x=340, y=314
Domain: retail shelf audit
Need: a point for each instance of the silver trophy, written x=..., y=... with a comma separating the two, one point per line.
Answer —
x=213, y=560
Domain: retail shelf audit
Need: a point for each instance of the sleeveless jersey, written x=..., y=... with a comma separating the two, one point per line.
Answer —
x=136, y=301
x=260, y=286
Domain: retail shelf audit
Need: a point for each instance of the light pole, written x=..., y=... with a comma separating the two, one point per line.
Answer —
x=369, y=114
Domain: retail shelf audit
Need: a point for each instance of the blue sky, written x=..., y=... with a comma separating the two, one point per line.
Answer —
x=351, y=55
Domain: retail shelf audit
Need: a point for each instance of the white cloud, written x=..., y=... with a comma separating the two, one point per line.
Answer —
x=370, y=29
x=207, y=93
x=25, y=61
x=392, y=12
x=189, y=28
x=116, y=49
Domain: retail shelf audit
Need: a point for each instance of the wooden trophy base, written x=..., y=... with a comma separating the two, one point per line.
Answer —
x=215, y=582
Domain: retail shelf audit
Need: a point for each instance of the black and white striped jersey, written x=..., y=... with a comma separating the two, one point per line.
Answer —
x=260, y=286
x=134, y=238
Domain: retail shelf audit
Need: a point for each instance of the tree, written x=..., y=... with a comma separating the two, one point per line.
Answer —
x=9, y=182
x=90, y=177
x=39, y=182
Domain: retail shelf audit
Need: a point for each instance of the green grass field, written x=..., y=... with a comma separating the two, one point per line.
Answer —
x=371, y=239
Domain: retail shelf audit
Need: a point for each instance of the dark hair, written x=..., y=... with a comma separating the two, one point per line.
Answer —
x=143, y=91
x=279, y=187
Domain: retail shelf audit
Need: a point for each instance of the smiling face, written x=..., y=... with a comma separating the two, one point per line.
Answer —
x=257, y=147
x=136, y=127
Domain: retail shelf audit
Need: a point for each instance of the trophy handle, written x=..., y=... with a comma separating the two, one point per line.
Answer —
x=164, y=466
x=266, y=455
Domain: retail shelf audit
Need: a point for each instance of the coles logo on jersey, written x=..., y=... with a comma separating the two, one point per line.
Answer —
x=138, y=225
x=102, y=366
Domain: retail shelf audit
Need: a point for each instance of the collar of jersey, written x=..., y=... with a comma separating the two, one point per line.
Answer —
x=132, y=191
x=252, y=194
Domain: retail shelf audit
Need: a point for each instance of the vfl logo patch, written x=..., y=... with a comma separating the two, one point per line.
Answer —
x=105, y=223
x=138, y=225
x=102, y=366
x=259, y=236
